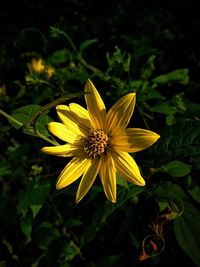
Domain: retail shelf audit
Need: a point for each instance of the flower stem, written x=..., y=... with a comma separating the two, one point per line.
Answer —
x=51, y=105
x=10, y=118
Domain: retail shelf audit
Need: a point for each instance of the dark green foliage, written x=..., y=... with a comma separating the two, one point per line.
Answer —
x=186, y=228
x=151, y=48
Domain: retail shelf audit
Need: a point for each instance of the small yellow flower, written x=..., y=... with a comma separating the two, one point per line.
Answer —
x=99, y=142
x=38, y=66
x=49, y=71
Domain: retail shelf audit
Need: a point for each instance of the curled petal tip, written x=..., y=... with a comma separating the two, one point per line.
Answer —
x=58, y=187
x=132, y=94
x=142, y=182
x=113, y=200
x=77, y=200
x=158, y=136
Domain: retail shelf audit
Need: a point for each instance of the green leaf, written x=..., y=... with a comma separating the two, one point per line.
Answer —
x=9, y=248
x=147, y=71
x=71, y=250
x=195, y=193
x=122, y=198
x=118, y=60
x=170, y=120
x=176, y=205
x=35, y=209
x=192, y=110
x=169, y=190
x=44, y=234
x=74, y=222
x=24, y=114
x=121, y=181
x=180, y=75
x=5, y=168
x=39, y=193
x=41, y=125
x=176, y=168
x=180, y=141
x=87, y=43
x=34, y=195
x=60, y=56
x=147, y=93
x=162, y=205
x=26, y=225
x=187, y=232
x=165, y=108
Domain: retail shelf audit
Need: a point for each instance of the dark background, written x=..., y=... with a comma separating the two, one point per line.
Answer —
x=171, y=27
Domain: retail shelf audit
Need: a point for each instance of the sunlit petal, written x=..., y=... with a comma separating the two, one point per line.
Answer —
x=66, y=150
x=81, y=115
x=69, y=120
x=108, y=177
x=134, y=140
x=95, y=106
x=74, y=169
x=120, y=113
x=60, y=130
x=88, y=179
x=127, y=168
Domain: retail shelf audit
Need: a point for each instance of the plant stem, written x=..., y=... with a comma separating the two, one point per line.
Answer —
x=10, y=118
x=51, y=105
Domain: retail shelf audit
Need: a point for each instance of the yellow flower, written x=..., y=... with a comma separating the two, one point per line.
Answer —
x=99, y=143
x=49, y=71
x=38, y=66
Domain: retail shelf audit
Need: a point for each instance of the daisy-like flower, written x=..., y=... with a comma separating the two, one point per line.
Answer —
x=99, y=143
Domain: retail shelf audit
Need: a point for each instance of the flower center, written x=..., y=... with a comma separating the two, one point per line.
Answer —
x=96, y=143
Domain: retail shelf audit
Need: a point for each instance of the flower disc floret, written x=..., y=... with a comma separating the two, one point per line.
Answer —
x=96, y=143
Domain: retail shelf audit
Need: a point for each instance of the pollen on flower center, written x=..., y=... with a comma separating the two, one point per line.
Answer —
x=96, y=143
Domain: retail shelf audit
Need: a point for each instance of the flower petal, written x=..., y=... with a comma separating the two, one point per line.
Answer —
x=120, y=113
x=95, y=106
x=88, y=179
x=69, y=120
x=66, y=150
x=133, y=140
x=74, y=169
x=82, y=116
x=127, y=168
x=60, y=130
x=108, y=177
